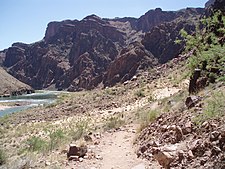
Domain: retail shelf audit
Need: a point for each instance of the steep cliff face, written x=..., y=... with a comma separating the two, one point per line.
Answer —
x=131, y=59
x=77, y=55
x=154, y=18
x=161, y=39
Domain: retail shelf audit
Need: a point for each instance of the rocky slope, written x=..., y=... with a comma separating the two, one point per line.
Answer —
x=190, y=134
x=177, y=139
x=11, y=86
x=77, y=55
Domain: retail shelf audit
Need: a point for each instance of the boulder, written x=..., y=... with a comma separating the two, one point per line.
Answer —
x=214, y=135
x=191, y=101
x=74, y=158
x=164, y=158
x=187, y=128
x=198, y=148
x=76, y=151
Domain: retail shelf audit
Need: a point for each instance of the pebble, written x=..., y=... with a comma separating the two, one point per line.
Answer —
x=89, y=150
x=47, y=163
x=92, y=147
x=98, y=157
x=86, y=157
x=139, y=166
x=81, y=159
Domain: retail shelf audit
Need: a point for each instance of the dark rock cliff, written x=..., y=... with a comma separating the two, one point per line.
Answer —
x=76, y=55
x=161, y=39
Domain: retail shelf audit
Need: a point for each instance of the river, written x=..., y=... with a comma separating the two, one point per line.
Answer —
x=24, y=102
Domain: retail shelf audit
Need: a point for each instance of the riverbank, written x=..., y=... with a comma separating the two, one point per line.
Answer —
x=22, y=102
x=40, y=137
x=4, y=107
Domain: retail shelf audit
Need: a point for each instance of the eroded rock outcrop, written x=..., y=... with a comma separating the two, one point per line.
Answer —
x=130, y=59
x=161, y=39
x=76, y=55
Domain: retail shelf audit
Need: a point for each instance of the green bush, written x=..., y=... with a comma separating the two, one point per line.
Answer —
x=56, y=138
x=36, y=144
x=221, y=79
x=205, y=47
x=214, y=108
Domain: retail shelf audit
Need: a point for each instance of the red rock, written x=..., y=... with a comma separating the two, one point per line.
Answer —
x=124, y=68
x=190, y=155
x=164, y=158
x=76, y=151
x=77, y=55
x=222, y=133
x=215, y=150
x=187, y=127
x=214, y=135
x=191, y=101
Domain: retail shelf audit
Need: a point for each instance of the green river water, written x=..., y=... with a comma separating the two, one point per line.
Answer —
x=27, y=101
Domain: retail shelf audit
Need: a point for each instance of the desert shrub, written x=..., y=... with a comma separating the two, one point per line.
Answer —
x=214, y=108
x=146, y=117
x=113, y=122
x=36, y=144
x=222, y=78
x=151, y=98
x=140, y=93
x=2, y=157
x=110, y=91
x=56, y=138
x=80, y=128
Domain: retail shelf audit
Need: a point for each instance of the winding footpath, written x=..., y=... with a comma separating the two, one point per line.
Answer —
x=115, y=151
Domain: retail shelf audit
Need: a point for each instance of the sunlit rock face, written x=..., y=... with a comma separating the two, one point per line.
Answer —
x=76, y=55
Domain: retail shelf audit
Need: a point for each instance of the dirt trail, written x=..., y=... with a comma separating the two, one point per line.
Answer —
x=115, y=151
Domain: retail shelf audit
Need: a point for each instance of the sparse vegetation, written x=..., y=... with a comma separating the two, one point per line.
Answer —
x=150, y=98
x=53, y=139
x=214, y=108
x=140, y=93
x=56, y=138
x=146, y=117
x=45, y=132
x=2, y=157
x=36, y=144
x=80, y=128
x=110, y=91
x=113, y=122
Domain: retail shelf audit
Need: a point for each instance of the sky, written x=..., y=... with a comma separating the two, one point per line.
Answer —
x=26, y=20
